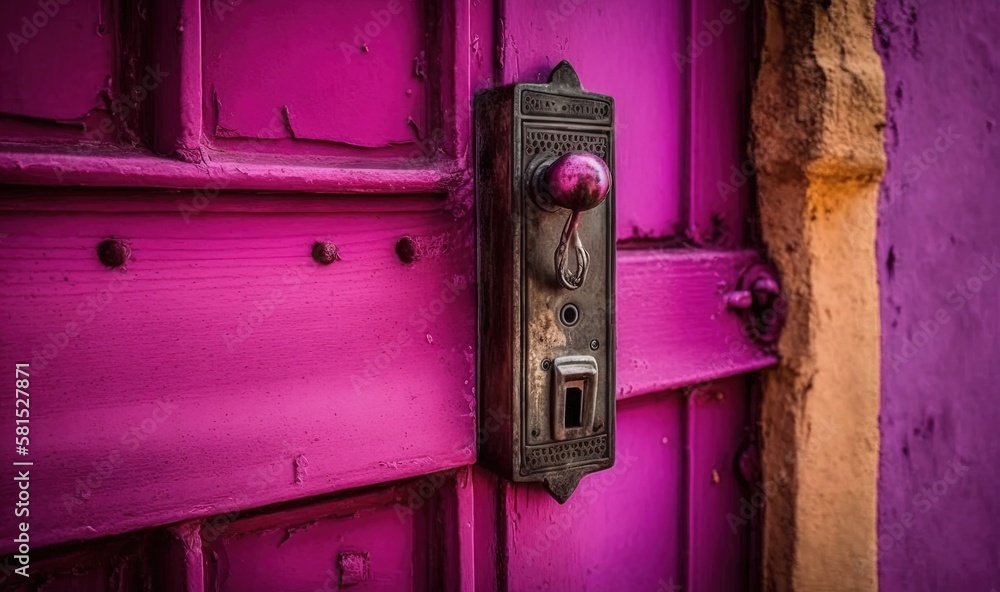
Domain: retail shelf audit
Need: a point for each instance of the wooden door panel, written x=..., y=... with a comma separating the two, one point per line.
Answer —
x=224, y=354
x=649, y=91
x=720, y=431
x=681, y=99
x=59, y=94
x=110, y=565
x=601, y=538
x=351, y=78
x=282, y=124
x=679, y=76
x=670, y=512
x=721, y=173
x=674, y=328
x=366, y=542
x=391, y=539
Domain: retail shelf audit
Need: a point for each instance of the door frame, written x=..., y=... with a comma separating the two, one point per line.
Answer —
x=817, y=119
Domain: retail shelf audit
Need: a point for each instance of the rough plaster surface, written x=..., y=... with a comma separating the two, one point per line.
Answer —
x=939, y=272
x=818, y=118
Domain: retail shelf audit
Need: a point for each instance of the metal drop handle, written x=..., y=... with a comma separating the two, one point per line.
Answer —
x=577, y=181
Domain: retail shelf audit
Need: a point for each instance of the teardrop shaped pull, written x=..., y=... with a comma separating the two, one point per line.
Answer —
x=577, y=181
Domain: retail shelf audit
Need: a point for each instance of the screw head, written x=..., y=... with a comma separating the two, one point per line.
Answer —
x=406, y=250
x=325, y=252
x=595, y=344
x=114, y=252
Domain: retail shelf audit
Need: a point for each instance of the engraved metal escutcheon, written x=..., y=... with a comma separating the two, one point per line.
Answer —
x=545, y=184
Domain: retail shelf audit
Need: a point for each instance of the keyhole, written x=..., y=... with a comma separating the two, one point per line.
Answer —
x=569, y=315
x=574, y=407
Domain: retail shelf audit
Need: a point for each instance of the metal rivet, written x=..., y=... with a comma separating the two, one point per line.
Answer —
x=546, y=364
x=325, y=252
x=114, y=252
x=406, y=249
x=594, y=344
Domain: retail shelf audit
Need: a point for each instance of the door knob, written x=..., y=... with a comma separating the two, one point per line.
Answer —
x=578, y=181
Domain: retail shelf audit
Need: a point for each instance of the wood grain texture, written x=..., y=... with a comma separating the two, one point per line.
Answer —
x=223, y=354
x=207, y=278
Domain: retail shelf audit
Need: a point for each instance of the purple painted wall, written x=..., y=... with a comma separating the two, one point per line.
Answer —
x=939, y=272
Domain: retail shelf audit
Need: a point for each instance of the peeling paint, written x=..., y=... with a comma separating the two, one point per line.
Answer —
x=420, y=66
x=415, y=127
x=219, y=129
x=300, y=467
x=477, y=53
x=288, y=121
x=502, y=46
x=293, y=530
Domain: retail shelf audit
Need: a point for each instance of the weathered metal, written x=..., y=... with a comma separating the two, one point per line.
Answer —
x=577, y=181
x=542, y=148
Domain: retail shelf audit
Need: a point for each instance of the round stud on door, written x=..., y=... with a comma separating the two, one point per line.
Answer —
x=406, y=250
x=114, y=252
x=325, y=252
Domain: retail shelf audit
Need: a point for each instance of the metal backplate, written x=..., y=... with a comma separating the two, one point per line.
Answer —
x=546, y=121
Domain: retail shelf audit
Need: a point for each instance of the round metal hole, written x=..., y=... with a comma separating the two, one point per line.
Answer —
x=569, y=315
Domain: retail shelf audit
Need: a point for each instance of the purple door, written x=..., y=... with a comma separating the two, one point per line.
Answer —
x=238, y=271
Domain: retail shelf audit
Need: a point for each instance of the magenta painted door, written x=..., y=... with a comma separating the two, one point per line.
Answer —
x=239, y=268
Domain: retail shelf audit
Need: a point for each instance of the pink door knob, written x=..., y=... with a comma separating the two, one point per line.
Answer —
x=577, y=181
